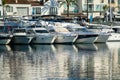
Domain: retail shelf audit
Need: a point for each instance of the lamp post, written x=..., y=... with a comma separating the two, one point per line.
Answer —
x=87, y=10
x=100, y=9
x=110, y=14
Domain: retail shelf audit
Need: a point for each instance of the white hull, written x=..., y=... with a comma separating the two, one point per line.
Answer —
x=87, y=47
x=5, y=39
x=114, y=37
x=86, y=40
x=102, y=38
x=65, y=39
x=43, y=39
x=21, y=39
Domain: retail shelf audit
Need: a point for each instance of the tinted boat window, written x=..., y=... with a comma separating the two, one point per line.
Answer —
x=19, y=31
x=30, y=32
x=52, y=30
x=42, y=31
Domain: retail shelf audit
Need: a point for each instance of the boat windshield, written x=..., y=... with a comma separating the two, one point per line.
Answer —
x=51, y=30
x=81, y=29
x=19, y=31
x=41, y=31
x=30, y=32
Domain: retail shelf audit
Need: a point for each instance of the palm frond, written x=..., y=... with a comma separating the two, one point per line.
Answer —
x=62, y=3
x=3, y=2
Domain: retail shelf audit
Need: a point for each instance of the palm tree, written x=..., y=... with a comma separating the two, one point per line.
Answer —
x=105, y=7
x=68, y=3
x=3, y=4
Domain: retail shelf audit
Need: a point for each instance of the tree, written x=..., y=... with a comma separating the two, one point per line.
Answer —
x=3, y=4
x=68, y=3
x=105, y=7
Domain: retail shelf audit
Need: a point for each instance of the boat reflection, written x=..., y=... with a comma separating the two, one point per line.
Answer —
x=21, y=48
x=87, y=47
x=60, y=62
x=4, y=48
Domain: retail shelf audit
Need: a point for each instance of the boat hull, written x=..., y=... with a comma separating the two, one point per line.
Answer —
x=102, y=38
x=43, y=39
x=114, y=37
x=5, y=39
x=65, y=39
x=86, y=38
x=21, y=39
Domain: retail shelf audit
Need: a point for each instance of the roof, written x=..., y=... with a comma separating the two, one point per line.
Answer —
x=17, y=2
x=74, y=14
x=36, y=3
x=33, y=3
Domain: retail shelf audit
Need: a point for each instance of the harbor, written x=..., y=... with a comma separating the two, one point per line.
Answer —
x=57, y=32
x=59, y=40
x=60, y=62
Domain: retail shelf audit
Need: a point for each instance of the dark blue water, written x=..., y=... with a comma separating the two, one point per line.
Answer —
x=60, y=62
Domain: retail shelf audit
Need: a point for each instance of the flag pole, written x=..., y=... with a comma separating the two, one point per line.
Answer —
x=110, y=11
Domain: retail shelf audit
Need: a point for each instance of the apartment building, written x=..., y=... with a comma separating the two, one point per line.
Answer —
x=1, y=8
x=17, y=7
x=96, y=7
x=22, y=7
x=93, y=7
x=34, y=7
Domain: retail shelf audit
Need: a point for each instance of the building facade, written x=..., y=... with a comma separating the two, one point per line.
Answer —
x=1, y=9
x=94, y=8
x=97, y=7
x=36, y=7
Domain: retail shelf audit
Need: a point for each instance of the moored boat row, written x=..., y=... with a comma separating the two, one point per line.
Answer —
x=48, y=32
x=56, y=35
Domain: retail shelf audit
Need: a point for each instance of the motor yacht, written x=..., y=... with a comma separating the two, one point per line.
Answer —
x=42, y=36
x=5, y=38
x=63, y=35
x=115, y=32
x=84, y=36
x=22, y=36
x=103, y=31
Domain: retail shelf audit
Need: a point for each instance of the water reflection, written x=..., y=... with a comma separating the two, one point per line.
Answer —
x=60, y=62
x=5, y=48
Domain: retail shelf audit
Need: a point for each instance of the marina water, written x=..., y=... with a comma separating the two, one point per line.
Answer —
x=60, y=62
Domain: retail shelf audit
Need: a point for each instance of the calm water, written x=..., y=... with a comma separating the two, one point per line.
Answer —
x=60, y=62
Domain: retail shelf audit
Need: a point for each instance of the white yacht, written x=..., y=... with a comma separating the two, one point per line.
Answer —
x=84, y=36
x=115, y=32
x=22, y=36
x=114, y=36
x=63, y=35
x=42, y=36
x=5, y=38
x=102, y=30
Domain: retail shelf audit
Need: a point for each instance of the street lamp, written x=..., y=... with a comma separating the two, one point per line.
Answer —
x=87, y=10
x=110, y=14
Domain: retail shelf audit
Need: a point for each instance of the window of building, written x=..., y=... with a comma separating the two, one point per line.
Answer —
x=89, y=1
x=118, y=1
x=85, y=7
x=9, y=9
x=112, y=1
x=53, y=10
x=90, y=7
x=102, y=1
x=46, y=0
x=99, y=7
x=0, y=13
x=36, y=10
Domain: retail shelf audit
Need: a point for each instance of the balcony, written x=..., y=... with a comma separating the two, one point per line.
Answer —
x=89, y=1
